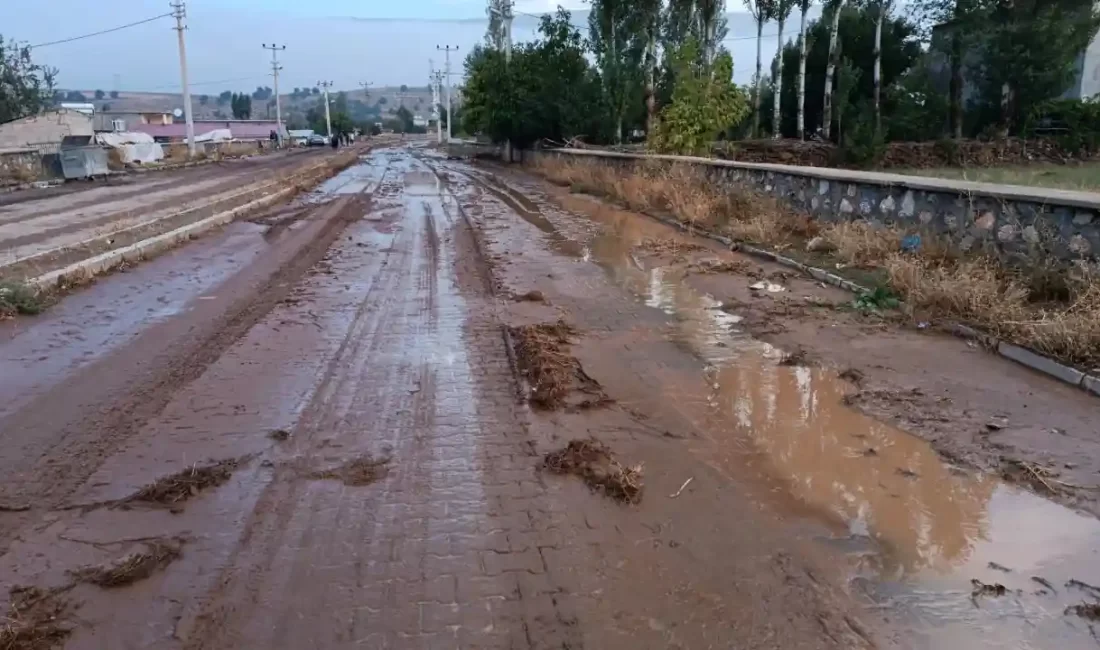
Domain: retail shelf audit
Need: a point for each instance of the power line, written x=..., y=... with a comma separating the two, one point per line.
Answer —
x=105, y=31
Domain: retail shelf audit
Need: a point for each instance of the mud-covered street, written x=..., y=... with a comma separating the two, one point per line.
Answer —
x=440, y=404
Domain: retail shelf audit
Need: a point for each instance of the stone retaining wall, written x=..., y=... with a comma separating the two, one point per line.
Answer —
x=1012, y=220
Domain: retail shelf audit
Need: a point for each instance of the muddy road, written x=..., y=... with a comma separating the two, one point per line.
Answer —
x=346, y=423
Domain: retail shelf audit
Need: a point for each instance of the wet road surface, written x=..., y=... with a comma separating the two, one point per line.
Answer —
x=344, y=357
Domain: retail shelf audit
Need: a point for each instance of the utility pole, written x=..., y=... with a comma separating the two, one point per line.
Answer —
x=366, y=95
x=447, y=70
x=436, y=78
x=328, y=118
x=508, y=15
x=179, y=12
x=503, y=10
x=275, y=68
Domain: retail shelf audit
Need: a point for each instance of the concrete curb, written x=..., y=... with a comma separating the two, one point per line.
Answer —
x=104, y=262
x=1015, y=353
x=210, y=205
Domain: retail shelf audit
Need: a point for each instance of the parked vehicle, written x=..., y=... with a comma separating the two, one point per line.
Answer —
x=317, y=140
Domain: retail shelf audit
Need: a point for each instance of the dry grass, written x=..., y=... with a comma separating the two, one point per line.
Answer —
x=133, y=567
x=181, y=486
x=357, y=472
x=1037, y=305
x=593, y=461
x=34, y=620
x=860, y=243
x=18, y=173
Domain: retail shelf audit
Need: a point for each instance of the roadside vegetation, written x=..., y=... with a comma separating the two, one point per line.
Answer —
x=18, y=299
x=1054, y=311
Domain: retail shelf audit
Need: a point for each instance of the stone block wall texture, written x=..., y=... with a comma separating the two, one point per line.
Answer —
x=1011, y=221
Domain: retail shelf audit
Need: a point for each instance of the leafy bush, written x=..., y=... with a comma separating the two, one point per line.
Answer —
x=863, y=146
x=1074, y=123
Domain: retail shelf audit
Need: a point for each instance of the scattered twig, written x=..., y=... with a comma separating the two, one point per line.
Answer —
x=680, y=491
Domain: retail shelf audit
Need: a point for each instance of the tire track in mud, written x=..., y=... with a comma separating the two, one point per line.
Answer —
x=421, y=377
x=58, y=440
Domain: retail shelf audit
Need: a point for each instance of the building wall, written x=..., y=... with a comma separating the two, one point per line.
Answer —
x=1088, y=81
x=45, y=132
x=19, y=166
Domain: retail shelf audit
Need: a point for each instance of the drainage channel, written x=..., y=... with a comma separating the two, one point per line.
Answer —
x=916, y=531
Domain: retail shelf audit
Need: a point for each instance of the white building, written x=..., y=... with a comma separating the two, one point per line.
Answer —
x=45, y=132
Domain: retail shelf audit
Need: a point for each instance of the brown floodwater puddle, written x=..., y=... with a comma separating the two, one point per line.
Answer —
x=915, y=529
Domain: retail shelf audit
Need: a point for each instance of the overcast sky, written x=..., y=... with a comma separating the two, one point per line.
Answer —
x=346, y=41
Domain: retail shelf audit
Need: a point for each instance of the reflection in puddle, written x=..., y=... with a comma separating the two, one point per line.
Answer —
x=918, y=530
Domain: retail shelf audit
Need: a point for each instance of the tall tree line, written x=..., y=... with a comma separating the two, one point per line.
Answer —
x=998, y=61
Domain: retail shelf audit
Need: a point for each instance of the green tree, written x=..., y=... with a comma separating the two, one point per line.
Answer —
x=901, y=50
x=705, y=102
x=225, y=97
x=610, y=28
x=75, y=96
x=833, y=10
x=204, y=100
x=548, y=91
x=1029, y=55
x=762, y=11
x=404, y=88
x=782, y=10
x=241, y=104
x=99, y=94
x=25, y=87
x=803, y=51
x=405, y=117
x=316, y=90
x=114, y=94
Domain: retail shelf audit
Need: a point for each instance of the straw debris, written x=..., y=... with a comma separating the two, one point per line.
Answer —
x=132, y=567
x=357, y=472
x=183, y=485
x=550, y=370
x=34, y=619
x=593, y=461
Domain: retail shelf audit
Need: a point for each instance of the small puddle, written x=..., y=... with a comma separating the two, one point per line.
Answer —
x=916, y=530
x=363, y=176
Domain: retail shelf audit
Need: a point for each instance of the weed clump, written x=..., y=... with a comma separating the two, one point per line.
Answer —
x=18, y=299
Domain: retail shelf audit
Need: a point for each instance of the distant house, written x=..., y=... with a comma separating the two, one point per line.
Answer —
x=177, y=131
x=118, y=121
x=80, y=107
x=47, y=131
